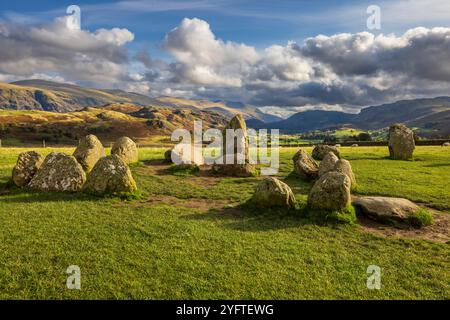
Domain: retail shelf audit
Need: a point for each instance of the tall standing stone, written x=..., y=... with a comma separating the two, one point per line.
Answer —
x=89, y=151
x=239, y=165
x=401, y=142
x=26, y=167
x=126, y=149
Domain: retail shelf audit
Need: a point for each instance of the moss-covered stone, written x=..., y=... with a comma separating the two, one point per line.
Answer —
x=126, y=149
x=59, y=172
x=401, y=142
x=272, y=192
x=330, y=192
x=89, y=151
x=110, y=175
x=28, y=163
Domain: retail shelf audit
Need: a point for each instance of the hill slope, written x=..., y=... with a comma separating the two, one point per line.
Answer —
x=108, y=123
x=63, y=97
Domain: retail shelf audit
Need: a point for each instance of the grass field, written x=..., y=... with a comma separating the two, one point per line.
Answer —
x=188, y=238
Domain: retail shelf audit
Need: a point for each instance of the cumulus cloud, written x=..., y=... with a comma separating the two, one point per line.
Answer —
x=75, y=55
x=206, y=60
x=350, y=70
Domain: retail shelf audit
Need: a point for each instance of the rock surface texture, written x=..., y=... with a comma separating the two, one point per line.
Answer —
x=330, y=192
x=126, y=149
x=321, y=150
x=304, y=165
x=28, y=163
x=401, y=142
x=272, y=192
x=110, y=175
x=385, y=208
x=89, y=151
x=59, y=172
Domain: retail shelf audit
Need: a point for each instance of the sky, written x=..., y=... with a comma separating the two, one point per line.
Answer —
x=282, y=56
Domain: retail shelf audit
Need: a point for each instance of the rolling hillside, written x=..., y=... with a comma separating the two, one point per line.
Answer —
x=108, y=123
x=61, y=97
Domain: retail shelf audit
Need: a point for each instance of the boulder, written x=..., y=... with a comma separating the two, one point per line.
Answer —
x=355, y=145
x=446, y=144
x=272, y=192
x=180, y=155
x=28, y=163
x=328, y=163
x=320, y=151
x=401, y=142
x=330, y=192
x=234, y=170
x=110, y=175
x=59, y=172
x=385, y=208
x=126, y=149
x=89, y=151
x=304, y=165
x=344, y=166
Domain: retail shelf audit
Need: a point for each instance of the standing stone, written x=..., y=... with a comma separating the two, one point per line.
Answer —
x=243, y=169
x=344, y=166
x=110, y=175
x=59, y=172
x=330, y=192
x=126, y=149
x=321, y=150
x=328, y=163
x=89, y=151
x=272, y=192
x=401, y=142
x=26, y=167
x=304, y=165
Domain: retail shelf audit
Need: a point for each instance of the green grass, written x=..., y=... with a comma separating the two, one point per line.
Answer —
x=174, y=249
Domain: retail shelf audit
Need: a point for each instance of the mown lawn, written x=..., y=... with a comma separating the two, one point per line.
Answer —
x=170, y=246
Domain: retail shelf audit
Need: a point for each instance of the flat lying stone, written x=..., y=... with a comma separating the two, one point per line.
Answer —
x=386, y=208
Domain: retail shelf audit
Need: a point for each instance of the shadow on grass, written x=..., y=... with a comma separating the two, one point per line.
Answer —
x=17, y=195
x=437, y=165
x=298, y=184
x=247, y=218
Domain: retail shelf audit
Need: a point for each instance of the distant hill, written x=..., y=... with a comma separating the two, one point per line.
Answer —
x=62, y=97
x=108, y=123
x=431, y=116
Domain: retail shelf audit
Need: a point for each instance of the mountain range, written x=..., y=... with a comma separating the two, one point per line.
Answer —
x=431, y=116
